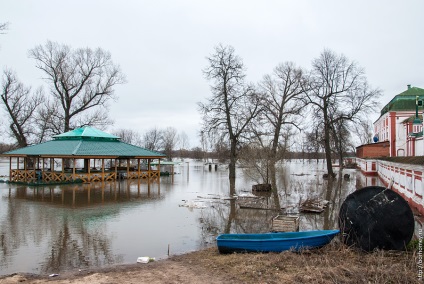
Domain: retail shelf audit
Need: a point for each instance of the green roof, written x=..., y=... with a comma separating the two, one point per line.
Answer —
x=405, y=101
x=85, y=142
x=86, y=133
x=412, y=118
x=419, y=134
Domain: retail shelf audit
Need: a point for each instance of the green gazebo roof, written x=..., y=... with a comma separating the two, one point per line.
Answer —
x=85, y=142
x=86, y=133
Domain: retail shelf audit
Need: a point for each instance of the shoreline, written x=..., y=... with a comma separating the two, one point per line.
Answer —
x=334, y=263
x=81, y=272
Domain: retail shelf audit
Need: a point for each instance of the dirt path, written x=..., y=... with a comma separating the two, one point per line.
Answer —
x=177, y=269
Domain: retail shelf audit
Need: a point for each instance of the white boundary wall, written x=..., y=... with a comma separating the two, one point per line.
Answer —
x=407, y=179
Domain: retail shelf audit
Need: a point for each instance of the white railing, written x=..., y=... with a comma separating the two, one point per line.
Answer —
x=406, y=179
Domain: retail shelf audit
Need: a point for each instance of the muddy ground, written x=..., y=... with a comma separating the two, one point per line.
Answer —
x=334, y=263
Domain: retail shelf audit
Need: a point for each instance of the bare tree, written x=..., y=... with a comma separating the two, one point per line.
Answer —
x=282, y=106
x=169, y=141
x=221, y=147
x=314, y=142
x=339, y=91
x=5, y=147
x=232, y=105
x=48, y=121
x=81, y=83
x=254, y=161
x=128, y=136
x=341, y=139
x=214, y=142
x=152, y=139
x=20, y=106
x=3, y=27
x=183, y=139
x=183, y=144
x=203, y=143
x=363, y=130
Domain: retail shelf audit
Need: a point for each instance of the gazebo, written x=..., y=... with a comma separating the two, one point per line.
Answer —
x=86, y=155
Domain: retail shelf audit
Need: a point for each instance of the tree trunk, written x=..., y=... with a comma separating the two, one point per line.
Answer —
x=272, y=161
x=233, y=160
x=232, y=186
x=274, y=188
x=328, y=194
x=232, y=213
x=339, y=146
x=66, y=126
x=327, y=147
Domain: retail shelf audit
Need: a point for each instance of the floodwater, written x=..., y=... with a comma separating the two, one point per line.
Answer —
x=51, y=229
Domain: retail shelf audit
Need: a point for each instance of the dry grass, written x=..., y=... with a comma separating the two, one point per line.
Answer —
x=334, y=263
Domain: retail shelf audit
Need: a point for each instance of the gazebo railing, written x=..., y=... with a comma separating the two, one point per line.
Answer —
x=22, y=175
x=30, y=175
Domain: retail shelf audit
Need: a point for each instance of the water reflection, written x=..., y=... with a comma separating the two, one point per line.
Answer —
x=82, y=195
x=67, y=238
x=72, y=245
x=296, y=182
x=43, y=221
x=48, y=229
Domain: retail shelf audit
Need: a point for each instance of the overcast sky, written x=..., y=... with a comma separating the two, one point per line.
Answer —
x=161, y=46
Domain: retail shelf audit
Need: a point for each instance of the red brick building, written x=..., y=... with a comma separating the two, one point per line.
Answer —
x=375, y=150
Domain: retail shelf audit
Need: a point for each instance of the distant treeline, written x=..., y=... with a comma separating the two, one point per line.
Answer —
x=198, y=154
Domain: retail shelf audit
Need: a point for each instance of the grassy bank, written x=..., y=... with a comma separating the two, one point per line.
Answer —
x=334, y=263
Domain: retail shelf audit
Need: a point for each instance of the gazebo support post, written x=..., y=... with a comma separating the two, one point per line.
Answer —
x=159, y=168
x=88, y=169
x=43, y=169
x=25, y=169
x=149, y=168
x=128, y=167
x=103, y=169
x=73, y=169
x=116, y=170
x=138, y=169
x=63, y=171
x=36, y=166
x=10, y=168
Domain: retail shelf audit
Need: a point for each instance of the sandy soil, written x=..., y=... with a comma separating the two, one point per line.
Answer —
x=333, y=264
x=176, y=269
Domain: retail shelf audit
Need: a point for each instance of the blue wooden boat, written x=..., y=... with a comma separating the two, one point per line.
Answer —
x=274, y=242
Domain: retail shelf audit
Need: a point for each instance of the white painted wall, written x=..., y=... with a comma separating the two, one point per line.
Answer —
x=407, y=179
